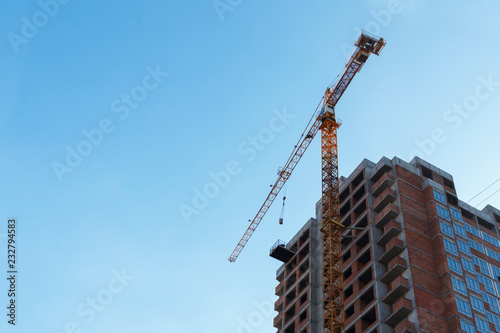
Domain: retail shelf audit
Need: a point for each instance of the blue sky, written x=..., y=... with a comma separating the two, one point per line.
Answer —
x=109, y=226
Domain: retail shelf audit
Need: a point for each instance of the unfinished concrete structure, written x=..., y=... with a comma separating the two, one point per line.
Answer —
x=416, y=258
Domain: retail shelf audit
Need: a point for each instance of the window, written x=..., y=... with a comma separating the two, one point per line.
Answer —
x=476, y=246
x=488, y=284
x=450, y=247
x=460, y=230
x=492, y=254
x=482, y=325
x=497, y=285
x=496, y=273
x=447, y=229
x=468, y=265
x=492, y=301
x=459, y=285
x=472, y=230
x=467, y=327
x=443, y=212
x=477, y=304
x=494, y=319
x=463, y=247
x=454, y=266
x=472, y=284
x=490, y=239
x=463, y=307
x=456, y=214
x=440, y=197
x=483, y=265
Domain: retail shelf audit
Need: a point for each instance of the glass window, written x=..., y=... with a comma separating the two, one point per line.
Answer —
x=494, y=319
x=454, y=265
x=440, y=197
x=463, y=247
x=463, y=307
x=450, y=247
x=456, y=214
x=476, y=246
x=490, y=239
x=460, y=230
x=492, y=254
x=459, y=285
x=443, y=212
x=497, y=286
x=496, y=273
x=488, y=284
x=467, y=327
x=472, y=230
x=468, y=265
x=482, y=325
x=483, y=265
x=492, y=301
x=472, y=284
x=447, y=229
x=477, y=304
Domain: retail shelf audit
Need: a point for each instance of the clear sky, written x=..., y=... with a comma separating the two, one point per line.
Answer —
x=115, y=114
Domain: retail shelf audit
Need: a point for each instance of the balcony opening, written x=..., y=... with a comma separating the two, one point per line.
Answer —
x=449, y=183
x=358, y=180
x=427, y=173
x=290, y=329
x=290, y=297
x=345, y=193
x=291, y=265
x=304, y=238
x=304, y=267
x=303, y=253
x=303, y=316
x=360, y=210
x=347, y=273
x=345, y=209
x=290, y=313
x=346, y=240
x=365, y=278
x=303, y=284
x=348, y=292
x=351, y=330
x=367, y=298
x=452, y=199
x=359, y=194
x=364, y=259
x=346, y=256
x=485, y=224
x=349, y=312
x=347, y=221
x=363, y=241
x=362, y=223
x=291, y=280
x=497, y=218
x=303, y=299
x=368, y=319
x=467, y=214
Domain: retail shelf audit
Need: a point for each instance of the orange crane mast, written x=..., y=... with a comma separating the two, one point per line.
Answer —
x=324, y=119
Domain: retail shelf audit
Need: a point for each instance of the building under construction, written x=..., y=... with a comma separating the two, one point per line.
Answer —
x=415, y=257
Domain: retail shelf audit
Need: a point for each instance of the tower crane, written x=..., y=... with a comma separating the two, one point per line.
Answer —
x=324, y=119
